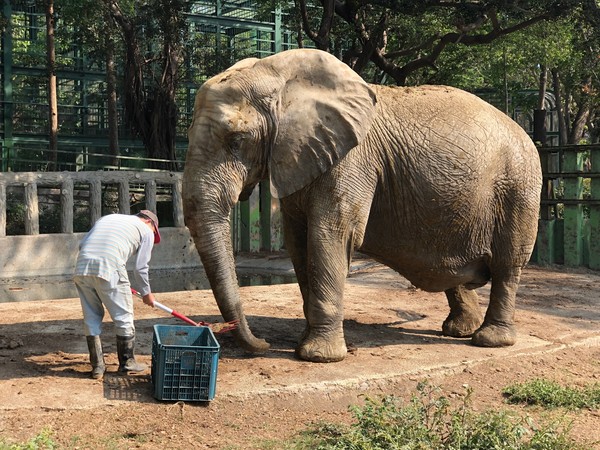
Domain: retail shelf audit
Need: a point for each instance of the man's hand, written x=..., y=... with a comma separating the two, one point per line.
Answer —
x=148, y=299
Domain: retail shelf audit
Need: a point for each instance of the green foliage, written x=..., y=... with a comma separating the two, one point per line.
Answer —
x=551, y=394
x=15, y=214
x=43, y=441
x=429, y=421
x=514, y=59
x=566, y=42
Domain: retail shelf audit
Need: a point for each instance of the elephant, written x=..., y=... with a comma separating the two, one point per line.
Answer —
x=431, y=181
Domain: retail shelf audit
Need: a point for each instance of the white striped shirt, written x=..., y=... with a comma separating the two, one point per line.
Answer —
x=110, y=243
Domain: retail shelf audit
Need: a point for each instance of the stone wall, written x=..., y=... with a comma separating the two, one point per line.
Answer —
x=27, y=263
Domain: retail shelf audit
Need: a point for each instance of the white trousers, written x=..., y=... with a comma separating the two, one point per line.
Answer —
x=96, y=293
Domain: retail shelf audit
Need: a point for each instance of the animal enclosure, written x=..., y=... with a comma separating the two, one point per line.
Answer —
x=569, y=226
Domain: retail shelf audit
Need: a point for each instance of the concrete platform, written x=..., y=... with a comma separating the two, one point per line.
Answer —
x=392, y=332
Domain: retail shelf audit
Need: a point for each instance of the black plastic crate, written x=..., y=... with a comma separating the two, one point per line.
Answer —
x=184, y=363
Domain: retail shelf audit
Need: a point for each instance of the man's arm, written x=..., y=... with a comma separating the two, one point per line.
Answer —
x=142, y=264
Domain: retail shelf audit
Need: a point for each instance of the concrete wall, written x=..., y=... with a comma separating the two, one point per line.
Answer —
x=39, y=267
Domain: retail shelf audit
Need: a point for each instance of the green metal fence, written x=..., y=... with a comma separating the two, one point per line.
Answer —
x=83, y=153
x=569, y=227
x=221, y=32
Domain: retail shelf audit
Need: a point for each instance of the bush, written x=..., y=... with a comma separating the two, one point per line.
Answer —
x=43, y=441
x=550, y=394
x=430, y=422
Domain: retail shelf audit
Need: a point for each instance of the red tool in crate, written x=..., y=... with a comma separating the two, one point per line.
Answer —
x=218, y=327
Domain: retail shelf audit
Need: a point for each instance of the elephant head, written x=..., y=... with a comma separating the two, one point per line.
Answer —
x=288, y=117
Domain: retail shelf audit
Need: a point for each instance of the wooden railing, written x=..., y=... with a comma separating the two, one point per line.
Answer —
x=91, y=184
x=256, y=224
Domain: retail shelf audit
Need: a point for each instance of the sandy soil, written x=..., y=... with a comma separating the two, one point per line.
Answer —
x=394, y=340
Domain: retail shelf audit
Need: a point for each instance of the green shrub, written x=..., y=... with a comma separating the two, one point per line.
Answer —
x=550, y=394
x=43, y=441
x=429, y=422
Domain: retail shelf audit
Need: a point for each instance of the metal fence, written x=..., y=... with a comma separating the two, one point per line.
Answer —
x=85, y=153
x=221, y=32
x=569, y=228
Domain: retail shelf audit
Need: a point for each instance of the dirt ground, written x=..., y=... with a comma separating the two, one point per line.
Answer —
x=394, y=339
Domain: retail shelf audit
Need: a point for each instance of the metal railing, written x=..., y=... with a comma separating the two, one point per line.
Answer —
x=85, y=153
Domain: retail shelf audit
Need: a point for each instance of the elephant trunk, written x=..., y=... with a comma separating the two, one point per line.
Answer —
x=213, y=242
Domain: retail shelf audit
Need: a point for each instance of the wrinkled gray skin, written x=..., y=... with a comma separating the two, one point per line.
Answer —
x=431, y=181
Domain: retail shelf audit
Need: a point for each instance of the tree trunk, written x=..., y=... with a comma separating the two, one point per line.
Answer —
x=579, y=124
x=151, y=111
x=558, y=96
x=163, y=121
x=578, y=127
x=542, y=87
x=111, y=83
x=52, y=100
x=593, y=126
x=539, y=115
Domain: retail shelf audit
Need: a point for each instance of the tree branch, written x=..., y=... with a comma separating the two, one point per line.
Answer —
x=321, y=38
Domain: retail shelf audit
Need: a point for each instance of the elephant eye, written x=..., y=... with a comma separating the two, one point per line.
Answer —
x=234, y=143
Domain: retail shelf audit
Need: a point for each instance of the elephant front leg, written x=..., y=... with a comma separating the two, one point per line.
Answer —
x=323, y=339
x=465, y=314
x=327, y=268
x=498, y=329
x=295, y=233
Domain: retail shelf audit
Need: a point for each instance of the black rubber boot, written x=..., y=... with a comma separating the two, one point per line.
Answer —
x=96, y=357
x=125, y=351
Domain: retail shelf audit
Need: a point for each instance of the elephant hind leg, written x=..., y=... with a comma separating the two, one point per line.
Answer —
x=498, y=329
x=465, y=314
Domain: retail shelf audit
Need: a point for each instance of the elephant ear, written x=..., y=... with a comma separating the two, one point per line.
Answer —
x=324, y=110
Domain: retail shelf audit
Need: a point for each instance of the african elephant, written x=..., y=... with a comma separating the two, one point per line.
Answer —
x=431, y=181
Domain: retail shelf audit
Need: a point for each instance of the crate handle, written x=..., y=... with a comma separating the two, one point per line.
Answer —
x=188, y=360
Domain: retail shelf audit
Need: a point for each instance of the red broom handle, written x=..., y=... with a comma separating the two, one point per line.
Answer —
x=168, y=310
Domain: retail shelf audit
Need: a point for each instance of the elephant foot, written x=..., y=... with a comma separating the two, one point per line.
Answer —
x=461, y=326
x=495, y=336
x=465, y=314
x=322, y=348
